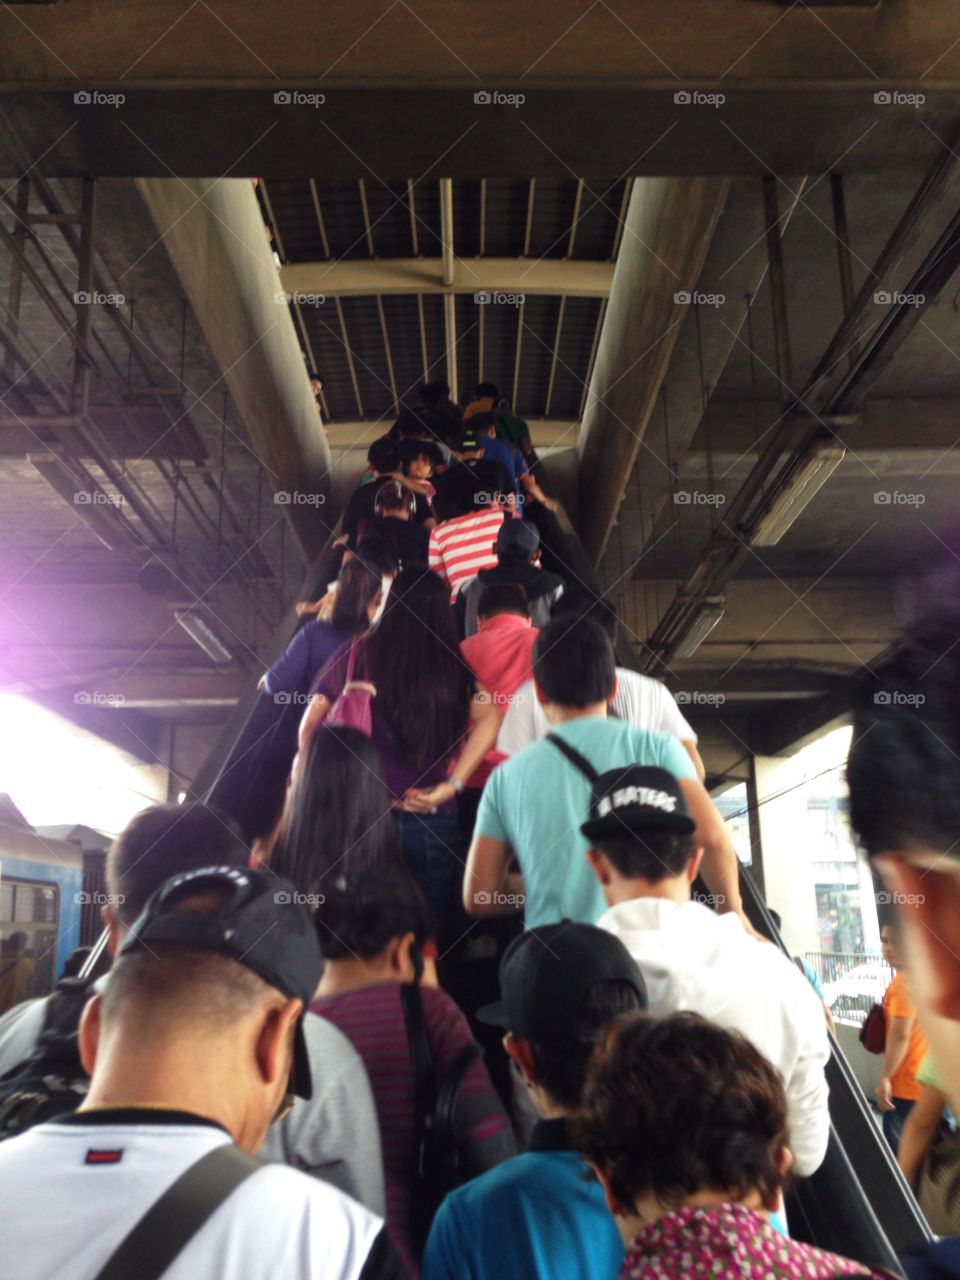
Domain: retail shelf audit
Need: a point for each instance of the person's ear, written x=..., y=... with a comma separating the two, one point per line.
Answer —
x=115, y=930
x=614, y=1207
x=602, y=866
x=613, y=691
x=693, y=866
x=541, y=696
x=401, y=957
x=274, y=1052
x=928, y=902
x=520, y=1052
x=88, y=1036
x=783, y=1163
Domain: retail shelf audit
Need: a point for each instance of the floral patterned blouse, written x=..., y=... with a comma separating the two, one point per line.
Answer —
x=729, y=1240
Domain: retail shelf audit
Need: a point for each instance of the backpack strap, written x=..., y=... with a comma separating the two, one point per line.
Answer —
x=172, y=1221
x=425, y=1080
x=573, y=755
x=450, y=1092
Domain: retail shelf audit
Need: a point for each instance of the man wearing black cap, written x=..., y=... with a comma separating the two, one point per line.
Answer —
x=518, y=552
x=195, y=1045
x=643, y=852
x=540, y=1214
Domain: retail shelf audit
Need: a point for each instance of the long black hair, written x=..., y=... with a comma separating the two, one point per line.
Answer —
x=357, y=588
x=413, y=657
x=337, y=821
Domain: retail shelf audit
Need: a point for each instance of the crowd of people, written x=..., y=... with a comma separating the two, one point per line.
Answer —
x=485, y=1000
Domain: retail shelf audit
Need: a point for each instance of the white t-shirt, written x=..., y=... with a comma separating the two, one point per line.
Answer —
x=640, y=701
x=63, y=1216
x=693, y=959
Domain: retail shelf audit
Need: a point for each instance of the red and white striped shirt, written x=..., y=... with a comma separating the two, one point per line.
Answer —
x=461, y=547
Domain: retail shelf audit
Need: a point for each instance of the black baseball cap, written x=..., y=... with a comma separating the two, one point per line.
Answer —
x=547, y=971
x=637, y=798
x=468, y=440
x=260, y=925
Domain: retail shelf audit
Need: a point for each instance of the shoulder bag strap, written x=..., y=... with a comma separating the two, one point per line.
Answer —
x=425, y=1082
x=573, y=755
x=173, y=1220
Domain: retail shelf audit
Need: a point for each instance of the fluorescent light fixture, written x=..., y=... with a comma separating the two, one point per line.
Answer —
x=200, y=631
x=709, y=614
x=800, y=489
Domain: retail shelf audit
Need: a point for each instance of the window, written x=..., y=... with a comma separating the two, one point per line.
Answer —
x=29, y=912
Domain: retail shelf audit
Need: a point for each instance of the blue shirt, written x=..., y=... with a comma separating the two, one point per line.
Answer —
x=540, y=1216
x=536, y=801
x=509, y=458
x=304, y=657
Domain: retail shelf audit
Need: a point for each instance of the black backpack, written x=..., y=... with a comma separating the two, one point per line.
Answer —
x=438, y=1154
x=52, y=1080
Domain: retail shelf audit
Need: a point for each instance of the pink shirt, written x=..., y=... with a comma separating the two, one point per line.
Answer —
x=500, y=655
x=461, y=547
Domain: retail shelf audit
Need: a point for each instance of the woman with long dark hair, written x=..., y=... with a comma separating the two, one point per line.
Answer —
x=431, y=724
x=337, y=822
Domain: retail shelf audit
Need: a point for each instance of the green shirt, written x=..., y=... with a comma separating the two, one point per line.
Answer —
x=514, y=430
x=536, y=801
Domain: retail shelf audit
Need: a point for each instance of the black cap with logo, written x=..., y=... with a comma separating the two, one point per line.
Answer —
x=547, y=971
x=636, y=799
x=260, y=925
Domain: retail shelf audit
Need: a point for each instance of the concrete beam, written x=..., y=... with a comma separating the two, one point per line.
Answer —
x=213, y=232
x=668, y=229
x=356, y=277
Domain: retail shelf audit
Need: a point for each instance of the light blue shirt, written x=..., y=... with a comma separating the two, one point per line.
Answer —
x=536, y=801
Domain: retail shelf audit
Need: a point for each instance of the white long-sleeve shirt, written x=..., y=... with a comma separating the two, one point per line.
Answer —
x=695, y=960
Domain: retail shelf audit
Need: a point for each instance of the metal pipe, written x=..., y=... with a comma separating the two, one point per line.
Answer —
x=778, y=292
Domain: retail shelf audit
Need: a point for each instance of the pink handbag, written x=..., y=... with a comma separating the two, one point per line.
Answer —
x=353, y=708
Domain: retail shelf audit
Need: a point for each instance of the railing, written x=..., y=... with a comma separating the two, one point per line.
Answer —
x=851, y=982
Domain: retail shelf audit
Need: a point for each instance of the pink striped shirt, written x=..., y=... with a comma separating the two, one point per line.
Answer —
x=461, y=547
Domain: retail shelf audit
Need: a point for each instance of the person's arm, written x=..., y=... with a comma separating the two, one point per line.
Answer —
x=489, y=886
x=690, y=747
x=921, y=1127
x=808, y=1110
x=291, y=669
x=446, y=1256
x=486, y=717
x=898, y=1041
x=532, y=489
x=720, y=867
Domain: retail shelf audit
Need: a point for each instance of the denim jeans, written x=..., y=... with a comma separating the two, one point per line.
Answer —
x=893, y=1122
x=433, y=849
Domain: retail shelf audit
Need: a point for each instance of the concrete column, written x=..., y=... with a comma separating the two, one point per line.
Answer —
x=667, y=231
x=214, y=234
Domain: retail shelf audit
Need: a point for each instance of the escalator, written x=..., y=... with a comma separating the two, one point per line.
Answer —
x=857, y=1203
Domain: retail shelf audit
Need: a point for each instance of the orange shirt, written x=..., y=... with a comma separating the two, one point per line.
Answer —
x=897, y=1004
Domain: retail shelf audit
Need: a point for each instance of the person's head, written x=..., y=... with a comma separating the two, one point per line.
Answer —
x=420, y=458
x=561, y=984
x=573, y=664
x=202, y=1009
x=15, y=944
x=162, y=841
x=518, y=542
x=358, y=595
x=431, y=393
x=337, y=820
x=379, y=553
x=677, y=1110
x=904, y=778
x=468, y=445
x=372, y=928
x=891, y=944
x=384, y=456
x=394, y=501
x=316, y=384
x=641, y=835
x=423, y=684
x=500, y=598
x=486, y=391
x=581, y=602
x=484, y=424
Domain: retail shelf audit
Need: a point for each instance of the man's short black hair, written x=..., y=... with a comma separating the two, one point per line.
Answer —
x=573, y=662
x=581, y=602
x=481, y=422
x=384, y=455
x=430, y=393
x=904, y=765
x=361, y=917
x=485, y=390
x=163, y=841
x=562, y=1067
x=503, y=597
x=652, y=855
